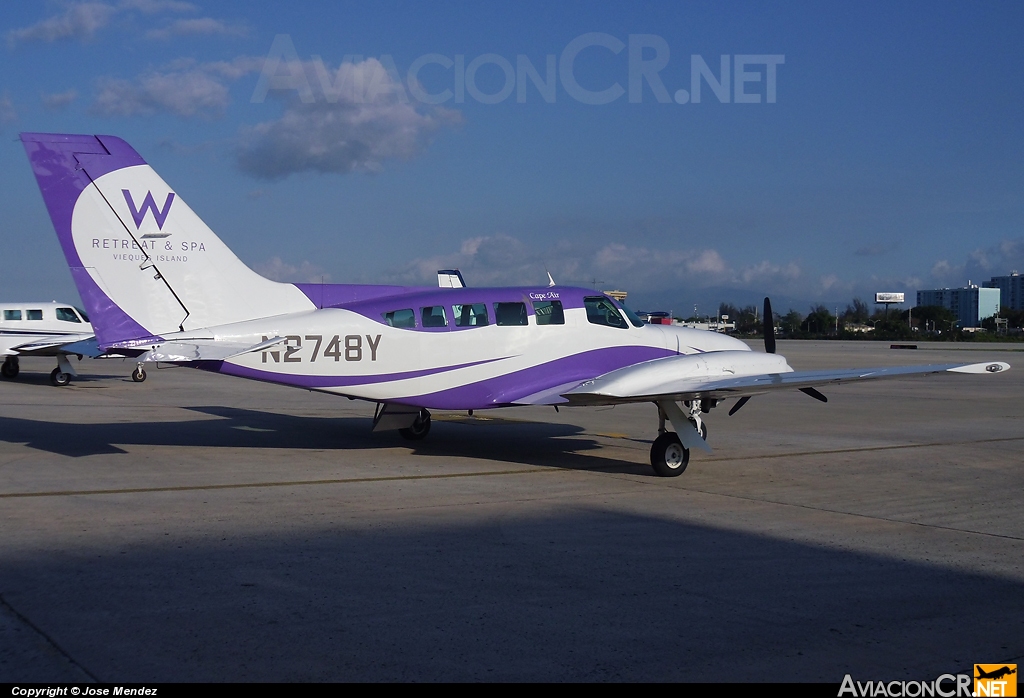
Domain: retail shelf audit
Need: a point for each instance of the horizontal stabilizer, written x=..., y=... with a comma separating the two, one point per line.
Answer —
x=204, y=350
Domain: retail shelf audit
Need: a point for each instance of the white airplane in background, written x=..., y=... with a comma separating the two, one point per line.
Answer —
x=45, y=329
x=161, y=286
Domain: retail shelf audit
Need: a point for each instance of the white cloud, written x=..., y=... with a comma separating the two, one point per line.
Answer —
x=7, y=111
x=184, y=88
x=353, y=129
x=82, y=20
x=499, y=260
x=200, y=26
x=980, y=265
x=58, y=100
x=155, y=6
x=78, y=21
x=279, y=270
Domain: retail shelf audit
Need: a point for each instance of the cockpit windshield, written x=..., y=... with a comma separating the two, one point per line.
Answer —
x=633, y=319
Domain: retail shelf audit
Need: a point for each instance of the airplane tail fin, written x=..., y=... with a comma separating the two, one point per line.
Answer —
x=144, y=263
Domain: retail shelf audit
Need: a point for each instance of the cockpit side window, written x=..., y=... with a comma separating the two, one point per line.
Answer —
x=67, y=315
x=601, y=311
x=400, y=318
x=549, y=312
x=433, y=316
x=510, y=314
x=470, y=315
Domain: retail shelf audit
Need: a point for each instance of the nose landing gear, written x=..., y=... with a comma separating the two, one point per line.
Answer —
x=670, y=452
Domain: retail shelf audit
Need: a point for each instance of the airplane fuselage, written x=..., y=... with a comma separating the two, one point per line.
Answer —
x=470, y=348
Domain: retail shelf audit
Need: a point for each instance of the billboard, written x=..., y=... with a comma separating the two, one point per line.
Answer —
x=889, y=298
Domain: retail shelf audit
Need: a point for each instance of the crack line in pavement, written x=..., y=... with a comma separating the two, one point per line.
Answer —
x=292, y=483
x=50, y=640
x=836, y=511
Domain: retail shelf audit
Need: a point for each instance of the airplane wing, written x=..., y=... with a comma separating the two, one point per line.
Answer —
x=50, y=345
x=639, y=383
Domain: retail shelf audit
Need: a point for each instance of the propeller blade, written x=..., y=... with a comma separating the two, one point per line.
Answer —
x=769, y=327
x=814, y=393
x=739, y=403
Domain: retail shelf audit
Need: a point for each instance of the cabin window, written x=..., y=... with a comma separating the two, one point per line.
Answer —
x=67, y=315
x=510, y=313
x=470, y=315
x=400, y=318
x=35, y=314
x=601, y=311
x=549, y=312
x=433, y=316
x=12, y=315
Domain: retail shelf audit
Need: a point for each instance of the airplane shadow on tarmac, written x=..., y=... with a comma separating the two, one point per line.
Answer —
x=512, y=441
x=578, y=594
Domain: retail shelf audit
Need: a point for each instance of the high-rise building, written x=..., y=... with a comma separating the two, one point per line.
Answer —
x=1011, y=289
x=971, y=303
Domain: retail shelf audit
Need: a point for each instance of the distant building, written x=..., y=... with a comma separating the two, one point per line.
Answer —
x=1011, y=288
x=971, y=304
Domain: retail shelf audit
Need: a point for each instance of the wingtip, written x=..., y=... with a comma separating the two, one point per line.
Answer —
x=989, y=367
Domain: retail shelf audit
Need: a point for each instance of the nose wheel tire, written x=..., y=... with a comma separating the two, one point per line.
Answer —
x=59, y=378
x=419, y=429
x=139, y=374
x=669, y=457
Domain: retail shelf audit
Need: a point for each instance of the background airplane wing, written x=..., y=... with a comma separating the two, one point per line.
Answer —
x=612, y=388
x=84, y=344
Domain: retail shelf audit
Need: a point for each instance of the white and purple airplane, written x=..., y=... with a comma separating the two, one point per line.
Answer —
x=159, y=285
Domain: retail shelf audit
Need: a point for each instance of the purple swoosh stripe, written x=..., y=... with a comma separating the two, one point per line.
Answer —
x=507, y=388
x=339, y=381
x=63, y=165
x=491, y=392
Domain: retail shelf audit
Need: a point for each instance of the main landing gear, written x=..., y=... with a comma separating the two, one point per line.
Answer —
x=10, y=368
x=419, y=429
x=669, y=457
x=59, y=378
x=139, y=374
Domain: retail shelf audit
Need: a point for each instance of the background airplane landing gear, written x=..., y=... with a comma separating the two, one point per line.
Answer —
x=10, y=368
x=419, y=429
x=668, y=456
x=139, y=374
x=59, y=378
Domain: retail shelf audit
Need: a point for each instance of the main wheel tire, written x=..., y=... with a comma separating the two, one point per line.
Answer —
x=669, y=457
x=59, y=378
x=704, y=431
x=139, y=374
x=10, y=369
x=419, y=429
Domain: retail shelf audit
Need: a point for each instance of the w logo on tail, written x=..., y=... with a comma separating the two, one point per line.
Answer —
x=148, y=204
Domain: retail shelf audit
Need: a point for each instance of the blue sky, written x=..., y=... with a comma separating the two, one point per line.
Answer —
x=891, y=159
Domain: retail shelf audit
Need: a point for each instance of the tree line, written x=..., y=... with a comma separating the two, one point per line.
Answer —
x=859, y=321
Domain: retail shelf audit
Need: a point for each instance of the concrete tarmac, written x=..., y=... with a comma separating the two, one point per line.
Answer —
x=197, y=527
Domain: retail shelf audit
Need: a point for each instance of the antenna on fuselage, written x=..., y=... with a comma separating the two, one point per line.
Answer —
x=551, y=281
